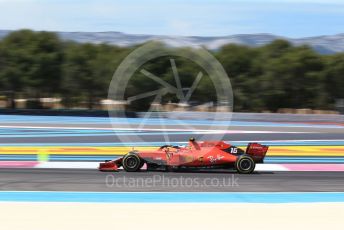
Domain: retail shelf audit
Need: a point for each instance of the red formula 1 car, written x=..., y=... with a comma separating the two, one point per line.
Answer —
x=206, y=154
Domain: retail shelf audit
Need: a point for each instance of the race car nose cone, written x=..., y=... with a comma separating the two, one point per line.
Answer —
x=108, y=166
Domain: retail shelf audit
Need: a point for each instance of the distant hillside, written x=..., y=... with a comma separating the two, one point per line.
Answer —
x=322, y=44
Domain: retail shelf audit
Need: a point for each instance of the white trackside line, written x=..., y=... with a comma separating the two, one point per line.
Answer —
x=270, y=167
x=68, y=165
x=292, y=141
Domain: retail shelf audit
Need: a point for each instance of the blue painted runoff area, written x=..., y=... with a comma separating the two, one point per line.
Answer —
x=182, y=197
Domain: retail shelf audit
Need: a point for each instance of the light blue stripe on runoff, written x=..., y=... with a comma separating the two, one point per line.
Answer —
x=182, y=197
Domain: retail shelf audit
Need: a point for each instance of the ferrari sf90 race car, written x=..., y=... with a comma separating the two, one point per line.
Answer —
x=196, y=155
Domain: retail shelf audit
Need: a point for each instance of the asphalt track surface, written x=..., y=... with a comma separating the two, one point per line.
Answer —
x=206, y=181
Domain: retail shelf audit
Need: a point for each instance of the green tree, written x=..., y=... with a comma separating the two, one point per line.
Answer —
x=87, y=72
x=334, y=80
x=293, y=80
x=239, y=63
x=31, y=63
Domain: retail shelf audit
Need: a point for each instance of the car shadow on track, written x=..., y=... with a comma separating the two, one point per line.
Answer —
x=201, y=171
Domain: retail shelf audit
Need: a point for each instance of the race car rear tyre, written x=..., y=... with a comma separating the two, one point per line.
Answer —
x=245, y=165
x=131, y=163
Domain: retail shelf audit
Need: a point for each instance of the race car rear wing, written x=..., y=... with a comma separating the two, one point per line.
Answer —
x=257, y=151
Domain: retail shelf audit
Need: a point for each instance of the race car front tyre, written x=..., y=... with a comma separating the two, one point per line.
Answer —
x=245, y=165
x=132, y=163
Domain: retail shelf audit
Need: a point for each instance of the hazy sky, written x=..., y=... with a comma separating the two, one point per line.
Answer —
x=293, y=18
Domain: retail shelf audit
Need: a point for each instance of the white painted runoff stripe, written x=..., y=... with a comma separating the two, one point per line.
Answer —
x=293, y=141
x=270, y=167
x=68, y=165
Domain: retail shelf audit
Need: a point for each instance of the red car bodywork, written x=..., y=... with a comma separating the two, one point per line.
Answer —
x=206, y=154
